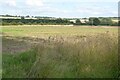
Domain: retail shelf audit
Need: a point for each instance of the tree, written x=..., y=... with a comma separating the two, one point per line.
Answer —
x=22, y=18
x=13, y=23
x=20, y=23
x=118, y=23
x=78, y=22
x=27, y=16
x=90, y=21
x=96, y=21
x=106, y=21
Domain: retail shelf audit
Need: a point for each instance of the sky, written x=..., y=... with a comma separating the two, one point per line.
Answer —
x=60, y=8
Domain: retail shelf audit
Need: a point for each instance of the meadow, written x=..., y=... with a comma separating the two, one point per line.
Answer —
x=59, y=52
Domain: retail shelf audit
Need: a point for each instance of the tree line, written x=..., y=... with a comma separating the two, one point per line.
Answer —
x=58, y=21
x=99, y=21
x=23, y=21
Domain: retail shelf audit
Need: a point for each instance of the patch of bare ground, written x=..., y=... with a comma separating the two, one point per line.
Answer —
x=18, y=44
x=100, y=26
x=109, y=26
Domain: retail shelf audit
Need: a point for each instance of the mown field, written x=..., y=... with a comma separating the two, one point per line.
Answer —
x=60, y=52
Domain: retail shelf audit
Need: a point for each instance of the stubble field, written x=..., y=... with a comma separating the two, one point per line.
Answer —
x=59, y=52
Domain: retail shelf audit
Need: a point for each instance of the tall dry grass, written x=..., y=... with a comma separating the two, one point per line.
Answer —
x=76, y=57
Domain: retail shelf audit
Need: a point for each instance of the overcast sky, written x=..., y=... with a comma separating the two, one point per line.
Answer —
x=60, y=8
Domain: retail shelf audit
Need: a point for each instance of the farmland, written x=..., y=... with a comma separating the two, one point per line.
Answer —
x=60, y=51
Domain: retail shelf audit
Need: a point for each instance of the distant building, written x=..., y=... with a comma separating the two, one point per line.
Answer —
x=115, y=20
x=18, y=17
x=30, y=18
x=3, y=17
x=84, y=20
x=74, y=21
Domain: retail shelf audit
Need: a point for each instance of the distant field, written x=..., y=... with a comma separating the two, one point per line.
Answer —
x=60, y=52
x=46, y=31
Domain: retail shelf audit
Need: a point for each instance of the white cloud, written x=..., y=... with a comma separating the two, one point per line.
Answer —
x=58, y=1
x=114, y=12
x=59, y=8
x=93, y=11
x=34, y=2
x=8, y=2
x=98, y=0
x=11, y=2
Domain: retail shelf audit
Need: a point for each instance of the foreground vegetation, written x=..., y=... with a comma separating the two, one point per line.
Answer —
x=60, y=52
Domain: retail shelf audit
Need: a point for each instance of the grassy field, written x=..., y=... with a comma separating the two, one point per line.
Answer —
x=60, y=52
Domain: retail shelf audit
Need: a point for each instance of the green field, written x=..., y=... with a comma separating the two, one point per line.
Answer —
x=60, y=52
x=45, y=31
